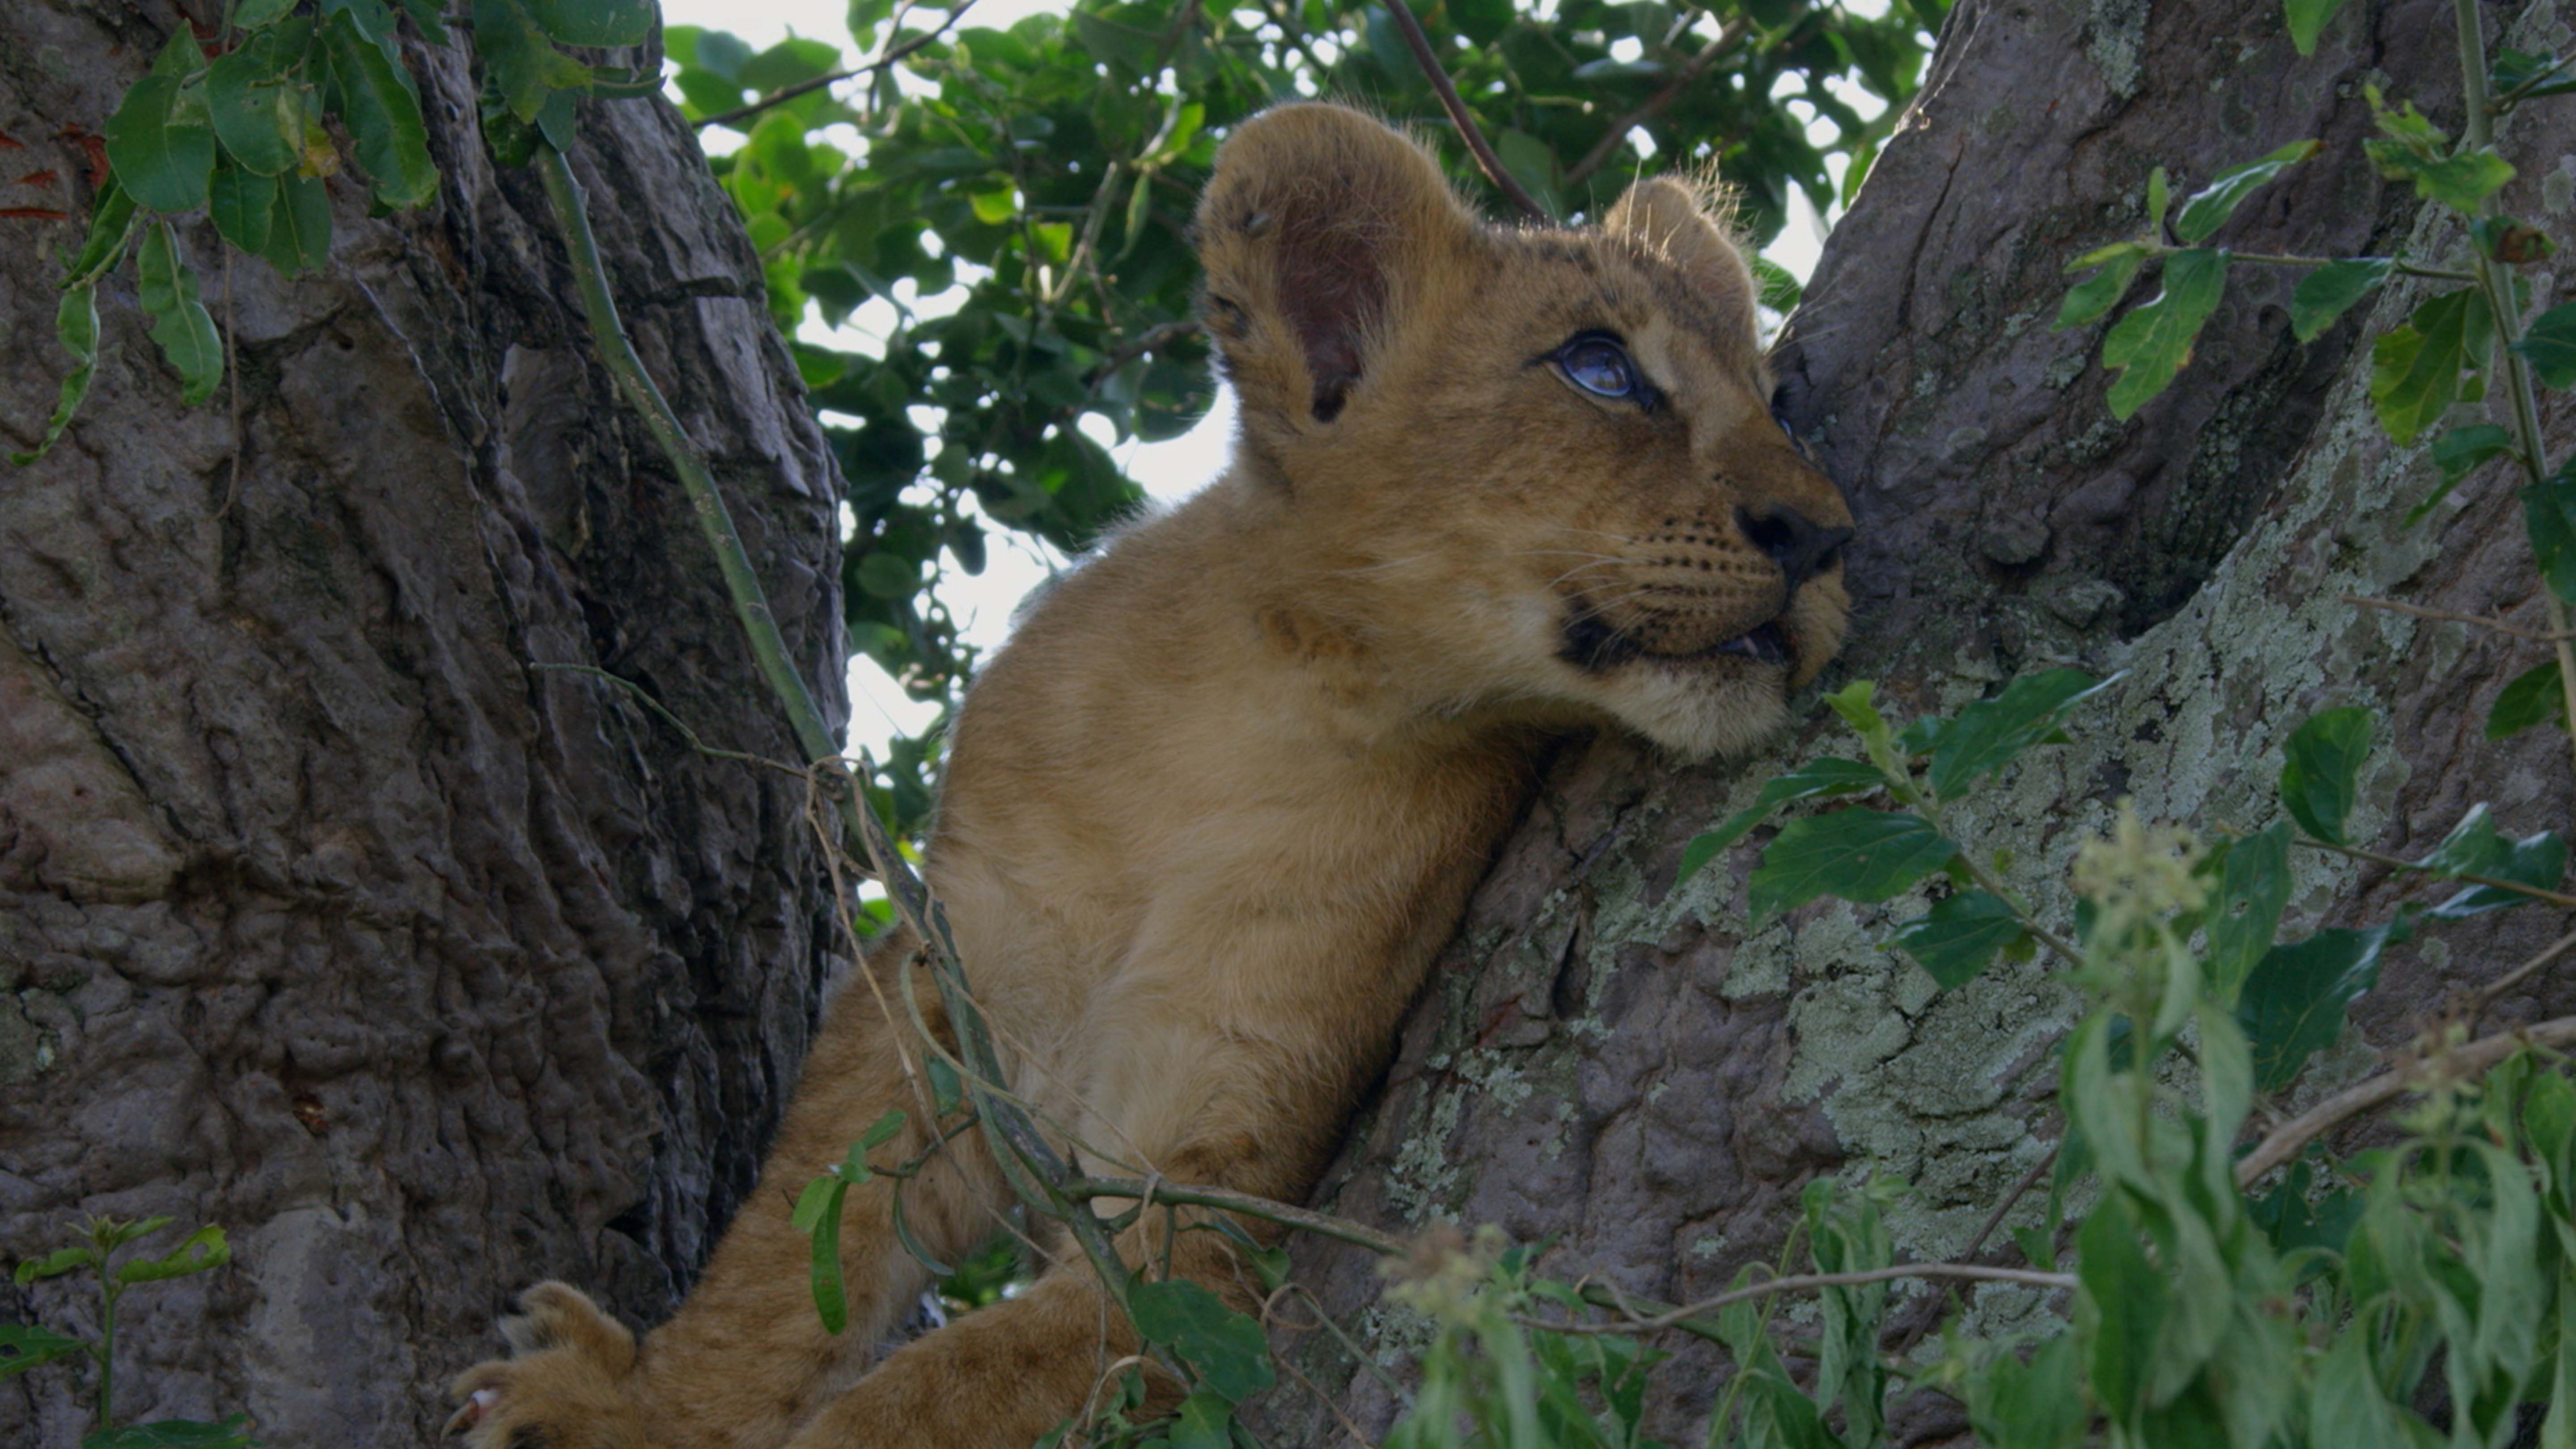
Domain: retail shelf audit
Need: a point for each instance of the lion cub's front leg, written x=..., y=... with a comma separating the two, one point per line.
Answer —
x=746, y=1360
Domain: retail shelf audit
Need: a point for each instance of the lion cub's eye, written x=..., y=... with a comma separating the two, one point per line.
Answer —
x=1599, y=365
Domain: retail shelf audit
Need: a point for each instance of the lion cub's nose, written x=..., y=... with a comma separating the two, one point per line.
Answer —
x=1792, y=540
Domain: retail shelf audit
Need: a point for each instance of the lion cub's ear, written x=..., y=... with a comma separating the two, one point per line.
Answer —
x=1319, y=226
x=1681, y=225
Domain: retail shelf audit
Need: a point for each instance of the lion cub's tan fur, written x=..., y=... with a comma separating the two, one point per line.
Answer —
x=1210, y=814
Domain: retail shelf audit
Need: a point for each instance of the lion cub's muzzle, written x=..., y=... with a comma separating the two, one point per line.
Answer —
x=1699, y=590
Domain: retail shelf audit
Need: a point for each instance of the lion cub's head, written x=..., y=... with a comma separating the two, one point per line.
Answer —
x=1531, y=471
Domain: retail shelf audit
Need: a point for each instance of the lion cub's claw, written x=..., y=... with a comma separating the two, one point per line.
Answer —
x=568, y=1384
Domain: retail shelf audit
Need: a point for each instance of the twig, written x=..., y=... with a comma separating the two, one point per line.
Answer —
x=674, y=721
x=1676, y=1317
x=2400, y=267
x=2537, y=893
x=2544, y=636
x=232, y=374
x=742, y=582
x=784, y=94
x=2487, y=995
x=1486, y=160
x=1653, y=106
x=2286, y=1140
x=1930, y=1311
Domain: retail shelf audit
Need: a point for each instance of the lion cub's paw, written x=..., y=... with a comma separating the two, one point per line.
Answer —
x=568, y=1384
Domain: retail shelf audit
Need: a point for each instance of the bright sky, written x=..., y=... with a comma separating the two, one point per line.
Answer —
x=879, y=709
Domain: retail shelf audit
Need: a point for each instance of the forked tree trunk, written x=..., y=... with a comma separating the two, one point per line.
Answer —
x=324, y=914
x=1620, y=1065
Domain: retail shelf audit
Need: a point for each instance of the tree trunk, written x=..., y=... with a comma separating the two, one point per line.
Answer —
x=326, y=915
x=1622, y=1066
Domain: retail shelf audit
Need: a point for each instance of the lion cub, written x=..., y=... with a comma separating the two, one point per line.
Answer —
x=1212, y=811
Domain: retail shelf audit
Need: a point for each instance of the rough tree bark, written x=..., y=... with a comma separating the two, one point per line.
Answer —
x=1619, y=1063
x=323, y=914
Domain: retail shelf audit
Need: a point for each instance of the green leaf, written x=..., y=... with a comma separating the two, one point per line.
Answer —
x=881, y=1131
x=595, y=22
x=76, y=328
x=2208, y=208
x=252, y=14
x=2460, y=180
x=2458, y=453
x=2321, y=771
x=24, y=1346
x=946, y=1092
x=2253, y=889
x=1859, y=855
x=161, y=159
x=1808, y=781
x=2037, y=1406
x=55, y=1264
x=1781, y=290
x=1959, y=936
x=2293, y=1004
x=2159, y=198
x=243, y=205
x=232, y=1433
x=1204, y=1420
x=382, y=114
x=2097, y=294
x=525, y=68
x=111, y=222
x=180, y=323
x=2547, y=75
x=2331, y=290
x=257, y=107
x=889, y=576
x=2415, y=369
x=205, y=1249
x=2538, y=861
x=1989, y=734
x=2549, y=516
x=2126, y=1299
x=2533, y=698
x=2308, y=21
x=299, y=234
x=818, y=1215
x=2152, y=343
x=2550, y=343
x=1224, y=1346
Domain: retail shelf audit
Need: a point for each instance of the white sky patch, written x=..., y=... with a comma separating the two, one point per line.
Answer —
x=1167, y=471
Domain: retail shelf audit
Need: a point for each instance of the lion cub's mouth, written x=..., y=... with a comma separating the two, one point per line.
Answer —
x=1592, y=644
x=1768, y=643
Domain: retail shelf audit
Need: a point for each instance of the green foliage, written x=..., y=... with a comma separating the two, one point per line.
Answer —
x=2532, y=698
x=2151, y=344
x=2411, y=148
x=1959, y=936
x=2308, y=21
x=817, y=1215
x=1861, y=855
x=2416, y=369
x=1223, y=1347
x=97, y=1248
x=2331, y=290
x=2208, y=208
x=2321, y=771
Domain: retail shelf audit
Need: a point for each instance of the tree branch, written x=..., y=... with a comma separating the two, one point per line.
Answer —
x=1486, y=160
x=1653, y=106
x=2542, y=636
x=784, y=94
x=2286, y=1140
